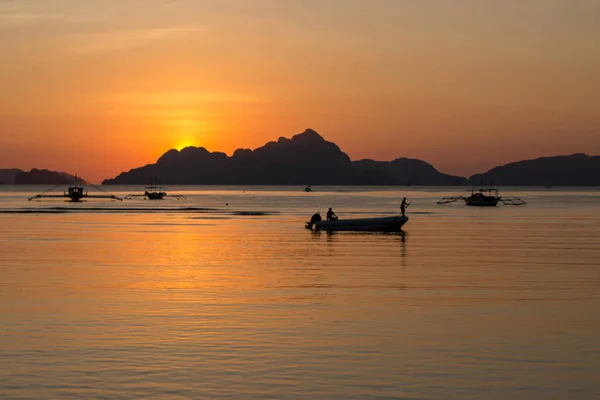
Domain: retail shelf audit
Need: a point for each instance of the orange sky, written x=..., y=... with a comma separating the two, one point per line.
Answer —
x=96, y=88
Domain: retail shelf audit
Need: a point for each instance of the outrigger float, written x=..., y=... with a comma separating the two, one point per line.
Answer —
x=154, y=192
x=75, y=193
x=485, y=198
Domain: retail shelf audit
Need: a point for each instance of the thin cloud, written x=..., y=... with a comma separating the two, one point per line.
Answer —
x=169, y=105
x=24, y=18
x=179, y=99
x=119, y=40
x=16, y=19
x=15, y=15
x=82, y=34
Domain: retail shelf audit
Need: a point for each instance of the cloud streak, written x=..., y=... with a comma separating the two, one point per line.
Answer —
x=84, y=34
x=179, y=99
x=16, y=15
x=120, y=40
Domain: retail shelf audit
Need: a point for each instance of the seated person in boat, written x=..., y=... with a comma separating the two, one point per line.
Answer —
x=315, y=218
x=331, y=215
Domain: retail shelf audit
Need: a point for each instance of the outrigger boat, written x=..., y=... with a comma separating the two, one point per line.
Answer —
x=75, y=193
x=484, y=198
x=154, y=192
x=380, y=224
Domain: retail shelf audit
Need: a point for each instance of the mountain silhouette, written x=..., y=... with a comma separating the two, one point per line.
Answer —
x=35, y=177
x=571, y=170
x=7, y=176
x=404, y=171
x=306, y=158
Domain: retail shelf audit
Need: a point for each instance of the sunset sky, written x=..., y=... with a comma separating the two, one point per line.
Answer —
x=98, y=87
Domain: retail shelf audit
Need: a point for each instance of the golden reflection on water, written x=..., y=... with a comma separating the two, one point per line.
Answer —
x=472, y=303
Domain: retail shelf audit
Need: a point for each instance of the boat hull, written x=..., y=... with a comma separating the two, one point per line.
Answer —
x=478, y=202
x=155, y=195
x=383, y=224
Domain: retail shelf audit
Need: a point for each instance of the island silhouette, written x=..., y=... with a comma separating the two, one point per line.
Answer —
x=573, y=170
x=306, y=158
x=36, y=176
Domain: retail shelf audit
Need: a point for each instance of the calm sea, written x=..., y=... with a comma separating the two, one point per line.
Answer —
x=226, y=295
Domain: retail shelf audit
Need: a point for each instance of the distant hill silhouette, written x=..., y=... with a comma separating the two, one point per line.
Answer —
x=404, y=171
x=573, y=170
x=7, y=176
x=304, y=159
x=35, y=177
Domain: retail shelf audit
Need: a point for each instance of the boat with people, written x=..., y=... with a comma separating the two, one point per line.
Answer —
x=484, y=198
x=381, y=224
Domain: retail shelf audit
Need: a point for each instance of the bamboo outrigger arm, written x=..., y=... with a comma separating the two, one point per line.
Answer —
x=512, y=201
x=447, y=200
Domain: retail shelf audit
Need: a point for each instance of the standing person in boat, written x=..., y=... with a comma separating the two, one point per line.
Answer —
x=331, y=215
x=404, y=205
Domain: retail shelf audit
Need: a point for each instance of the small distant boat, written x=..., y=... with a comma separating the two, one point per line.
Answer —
x=75, y=193
x=308, y=188
x=154, y=192
x=380, y=224
x=484, y=198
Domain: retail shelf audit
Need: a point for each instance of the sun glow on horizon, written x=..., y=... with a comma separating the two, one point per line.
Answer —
x=185, y=142
x=186, y=128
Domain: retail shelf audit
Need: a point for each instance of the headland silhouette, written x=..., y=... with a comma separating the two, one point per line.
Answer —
x=15, y=176
x=306, y=158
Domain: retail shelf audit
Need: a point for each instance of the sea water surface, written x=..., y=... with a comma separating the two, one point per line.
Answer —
x=226, y=295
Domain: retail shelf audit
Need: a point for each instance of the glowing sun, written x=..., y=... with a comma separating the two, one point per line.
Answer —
x=186, y=142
